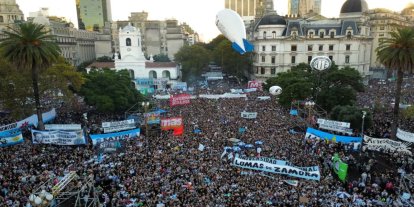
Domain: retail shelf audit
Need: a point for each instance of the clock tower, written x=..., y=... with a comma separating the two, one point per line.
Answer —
x=130, y=55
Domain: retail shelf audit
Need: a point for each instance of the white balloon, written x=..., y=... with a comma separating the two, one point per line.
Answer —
x=38, y=200
x=231, y=25
x=275, y=90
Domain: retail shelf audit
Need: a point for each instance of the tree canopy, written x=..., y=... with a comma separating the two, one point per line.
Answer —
x=29, y=46
x=397, y=53
x=193, y=59
x=327, y=88
x=353, y=115
x=110, y=91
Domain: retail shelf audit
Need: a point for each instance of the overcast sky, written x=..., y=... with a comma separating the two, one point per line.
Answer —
x=199, y=14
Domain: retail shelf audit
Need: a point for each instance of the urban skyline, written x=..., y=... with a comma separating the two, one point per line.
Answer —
x=201, y=20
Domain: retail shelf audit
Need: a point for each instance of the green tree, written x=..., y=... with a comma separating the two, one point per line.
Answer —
x=408, y=113
x=82, y=67
x=29, y=46
x=397, y=53
x=56, y=83
x=215, y=42
x=327, y=88
x=353, y=115
x=161, y=58
x=231, y=61
x=104, y=59
x=110, y=91
x=193, y=60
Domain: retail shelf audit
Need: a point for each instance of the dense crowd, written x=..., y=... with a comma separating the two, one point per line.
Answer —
x=165, y=170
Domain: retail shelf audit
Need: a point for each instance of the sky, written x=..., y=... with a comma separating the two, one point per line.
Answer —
x=199, y=14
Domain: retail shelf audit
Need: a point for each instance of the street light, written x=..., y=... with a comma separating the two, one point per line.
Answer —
x=363, y=120
x=309, y=105
x=146, y=105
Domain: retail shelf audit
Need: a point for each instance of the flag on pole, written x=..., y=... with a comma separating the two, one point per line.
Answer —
x=178, y=131
x=339, y=167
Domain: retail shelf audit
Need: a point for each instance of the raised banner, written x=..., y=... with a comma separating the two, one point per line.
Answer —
x=236, y=90
x=386, y=145
x=312, y=133
x=118, y=123
x=248, y=115
x=31, y=120
x=405, y=136
x=58, y=137
x=255, y=84
x=152, y=117
x=98, y=138
x=116, y=126
x=109, y=147
x=11, y=137
x=66, y=127
x=171, y=123
x=180, y=99
x=261, y=165
x=337, y=126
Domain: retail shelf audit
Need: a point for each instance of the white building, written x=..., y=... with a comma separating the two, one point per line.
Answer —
x=281, y=43
x=10, y=13
x=146, y=73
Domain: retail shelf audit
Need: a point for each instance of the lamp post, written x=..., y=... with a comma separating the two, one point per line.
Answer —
x=309, y=105
x=363, y=120
x=146, y=105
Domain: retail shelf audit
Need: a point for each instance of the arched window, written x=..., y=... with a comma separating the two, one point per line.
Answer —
x=153, y=74
x=264, y=35
x=128, y=42
x=166, y=74
x=274, y=34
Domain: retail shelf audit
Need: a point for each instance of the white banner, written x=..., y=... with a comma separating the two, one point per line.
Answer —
x=248, y=115
x=68, y=127
x=118, y=128
x=58, y=137
x=386, y=145
x=405, y=136
x=337, y=126
x=118, y=123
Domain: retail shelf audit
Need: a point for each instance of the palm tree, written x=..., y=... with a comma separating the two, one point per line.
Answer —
x=29, y=46
x=397, y=53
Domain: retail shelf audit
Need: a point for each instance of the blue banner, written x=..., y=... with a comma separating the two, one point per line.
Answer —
x=98, y=138
x=293, y=112
x=153, y=117
x=11, y=137
x=242, y=130
x=312, y=133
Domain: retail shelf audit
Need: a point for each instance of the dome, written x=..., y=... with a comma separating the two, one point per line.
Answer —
x=41, y=20
x=272, y=19
x=354, y=6
x=408, y=10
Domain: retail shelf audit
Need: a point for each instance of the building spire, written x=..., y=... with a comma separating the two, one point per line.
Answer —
x=269, y=7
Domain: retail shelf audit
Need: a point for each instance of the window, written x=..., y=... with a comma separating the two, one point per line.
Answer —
x=273, y=34
x=128, y=41
x=381, y=35
x=264, y=35
x=310, y=47
x=293, y=59
x=273, y=59
x=309, y=59
x=348, y=34
x=263, y=58
x=263, y=48
x=257, y=70
x=273, y=47
x=320, y=47
x=310, y=34
x=347, y=59
x=273, y=71
x=262, y=70
x=382, y=28
x=293, y=48
x=331, y=57
x=1, y=19
x=294, y=34
x=331, y=47
x=321, y=34
x=348, y=47
x=332, y=34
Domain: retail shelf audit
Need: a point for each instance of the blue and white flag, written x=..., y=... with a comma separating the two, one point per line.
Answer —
x=11, y=137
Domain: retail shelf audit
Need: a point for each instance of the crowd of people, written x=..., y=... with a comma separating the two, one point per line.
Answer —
x=160, y=169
